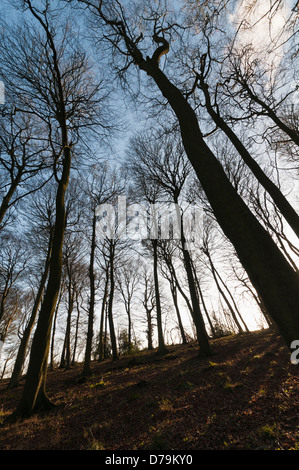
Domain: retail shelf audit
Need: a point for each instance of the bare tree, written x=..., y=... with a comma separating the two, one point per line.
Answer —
x=23, y=157
x=148, y=300
x=103, y=186
x=127, y=280
x=164, y=163
x=147, y=191
x=169, y=275
x=41, y=232
x=272, y=276
x=50, y=71
x=13, y=263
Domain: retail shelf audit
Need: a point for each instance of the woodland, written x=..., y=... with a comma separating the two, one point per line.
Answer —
x=149, y=224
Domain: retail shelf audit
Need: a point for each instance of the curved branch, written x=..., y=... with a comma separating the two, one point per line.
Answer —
x=160, y=51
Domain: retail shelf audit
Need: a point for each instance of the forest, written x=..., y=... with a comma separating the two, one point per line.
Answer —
x=149, y=222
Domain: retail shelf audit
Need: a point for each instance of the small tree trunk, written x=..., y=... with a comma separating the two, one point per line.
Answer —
x=87, y=360
x=161, y=345
x=202, y=298
x=202, y=336
x=51, y=365
x=76, y=331
x=176, y=306
x=101, y=346
x=110, y=306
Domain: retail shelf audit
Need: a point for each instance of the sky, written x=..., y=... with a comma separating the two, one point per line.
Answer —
x=259, y=30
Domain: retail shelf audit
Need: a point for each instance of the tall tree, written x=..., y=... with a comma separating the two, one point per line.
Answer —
x=270, y=273
x=164, y=163
x=103, y=186
x=50, y=72
x=127, y=280
x=24, y=157
x=148, y=192
x=13, y=264
x=274, y=191
x=41, y=232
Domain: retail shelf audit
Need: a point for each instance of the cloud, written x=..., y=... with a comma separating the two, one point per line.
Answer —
x=261, y=26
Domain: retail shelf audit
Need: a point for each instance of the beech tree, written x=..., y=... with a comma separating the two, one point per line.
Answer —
x=102, y=187
x=127, y=281
x=23, y=161
x=41, y=234
x=50, y=72
x=273, y=277
x=164, y=163
x=148, y=300
x=148, y=191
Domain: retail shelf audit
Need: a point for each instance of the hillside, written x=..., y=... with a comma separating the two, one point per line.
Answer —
x=245, y=396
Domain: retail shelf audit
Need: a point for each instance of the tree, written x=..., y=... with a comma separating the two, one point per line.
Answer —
x=13, y=263
x=148, y=192
x=75, y=281
x=41, y=213
x=274, y=279
x=274, y=191
x=103, y=186
x=166, y=255
x=23, y=157
x=50, y=72
x=149, y=303
x=221, y=286
x=164, y=163
x=127, y=280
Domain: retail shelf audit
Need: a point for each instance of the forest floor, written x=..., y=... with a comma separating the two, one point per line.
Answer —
x=244, y=397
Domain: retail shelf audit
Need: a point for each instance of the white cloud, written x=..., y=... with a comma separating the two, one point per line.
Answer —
x=262, y=28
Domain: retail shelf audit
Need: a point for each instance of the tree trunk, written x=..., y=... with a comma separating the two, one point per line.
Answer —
x=65, y=362
x=149, y=332
x=214, y=274
x=129, y=326
x=202, y=336
x=76, y=331
x=110, y=306
x=51, y=365
x=161, y=345
x=202, y=297
x=7, y=198
x=232, y=299
x=173, y=289
x=103, y=309
x=87, y=360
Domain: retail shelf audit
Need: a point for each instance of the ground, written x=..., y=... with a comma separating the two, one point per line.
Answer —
x=243, y=397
